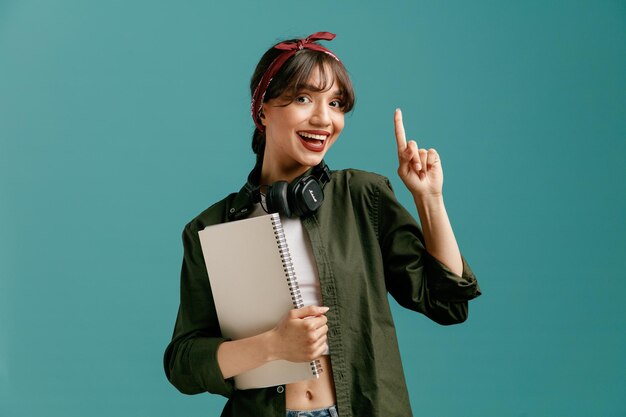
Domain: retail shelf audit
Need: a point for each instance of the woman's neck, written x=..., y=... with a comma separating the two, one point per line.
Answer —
x=272, y=172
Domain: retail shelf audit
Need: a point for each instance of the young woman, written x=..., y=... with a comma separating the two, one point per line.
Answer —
x=360, y=244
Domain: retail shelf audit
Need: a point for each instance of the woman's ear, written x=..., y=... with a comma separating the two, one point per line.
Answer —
x=262, y=114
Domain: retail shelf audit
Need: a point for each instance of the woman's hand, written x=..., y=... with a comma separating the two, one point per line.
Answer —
x=420, y=170
x=301, y=334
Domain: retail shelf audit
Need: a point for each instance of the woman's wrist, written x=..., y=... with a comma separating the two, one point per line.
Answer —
x=427, y=204
x=237, y=356
x=270, y=345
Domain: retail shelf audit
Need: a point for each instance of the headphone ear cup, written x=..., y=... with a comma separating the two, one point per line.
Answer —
x=305, y=196
x=276, y=198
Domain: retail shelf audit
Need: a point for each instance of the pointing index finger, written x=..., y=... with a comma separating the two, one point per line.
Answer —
x=400, y=135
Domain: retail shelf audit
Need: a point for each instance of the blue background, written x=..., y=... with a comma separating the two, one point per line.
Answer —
x=121, y=120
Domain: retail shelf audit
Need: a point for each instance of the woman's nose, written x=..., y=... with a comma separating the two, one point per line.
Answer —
x=321, y=116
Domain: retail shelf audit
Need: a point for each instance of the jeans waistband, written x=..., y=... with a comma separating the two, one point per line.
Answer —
x=320, y=412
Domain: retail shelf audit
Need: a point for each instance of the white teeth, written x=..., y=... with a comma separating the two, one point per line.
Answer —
x=312, y=136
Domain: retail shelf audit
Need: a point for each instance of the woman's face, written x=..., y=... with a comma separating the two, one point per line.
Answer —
x=300, y=130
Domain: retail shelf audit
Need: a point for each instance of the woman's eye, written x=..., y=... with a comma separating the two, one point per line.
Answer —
x=302, y=99
x=336, y=103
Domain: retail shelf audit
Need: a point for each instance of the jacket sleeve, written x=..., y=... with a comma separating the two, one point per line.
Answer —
x=190, y=359
x=417, y=280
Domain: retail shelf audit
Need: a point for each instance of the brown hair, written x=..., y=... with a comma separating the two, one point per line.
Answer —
x=293, y=75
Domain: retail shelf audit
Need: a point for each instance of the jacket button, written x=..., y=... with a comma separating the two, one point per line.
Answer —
x=280, y=389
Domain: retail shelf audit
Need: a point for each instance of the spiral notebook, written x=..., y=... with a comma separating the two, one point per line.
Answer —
x=254, y=284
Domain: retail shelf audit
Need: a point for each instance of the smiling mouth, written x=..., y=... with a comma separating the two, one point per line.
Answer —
x=313, y=141
x=312, y=137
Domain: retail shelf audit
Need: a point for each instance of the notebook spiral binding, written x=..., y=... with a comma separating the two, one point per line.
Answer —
x=290, y=273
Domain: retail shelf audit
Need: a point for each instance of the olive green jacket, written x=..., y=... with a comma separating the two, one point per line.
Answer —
x=365, y=245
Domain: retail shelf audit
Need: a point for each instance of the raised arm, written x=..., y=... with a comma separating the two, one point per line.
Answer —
x=421, y=172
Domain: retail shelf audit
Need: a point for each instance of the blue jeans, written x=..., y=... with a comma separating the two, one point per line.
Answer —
x=320, y=412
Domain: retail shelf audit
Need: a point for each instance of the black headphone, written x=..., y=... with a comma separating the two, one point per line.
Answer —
x=297, y=199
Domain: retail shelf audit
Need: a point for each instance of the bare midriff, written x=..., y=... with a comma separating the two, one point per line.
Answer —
x=313, y=393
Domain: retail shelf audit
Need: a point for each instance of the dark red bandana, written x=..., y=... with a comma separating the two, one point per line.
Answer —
x=290, y=49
